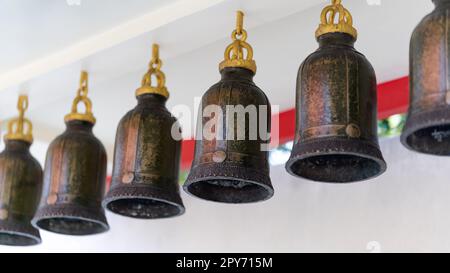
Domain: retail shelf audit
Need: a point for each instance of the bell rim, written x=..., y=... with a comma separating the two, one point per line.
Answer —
x=8, y=230
x=190, y=181
x=379, y=160
x=168, y=196
x=181, y=209
x=419, y=121
x=104, y=229
x=65, y=212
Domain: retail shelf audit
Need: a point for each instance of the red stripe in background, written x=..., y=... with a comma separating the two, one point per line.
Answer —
x=187, y=153
x=393, y=98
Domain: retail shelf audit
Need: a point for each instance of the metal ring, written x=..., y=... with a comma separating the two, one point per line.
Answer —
x=240, y=37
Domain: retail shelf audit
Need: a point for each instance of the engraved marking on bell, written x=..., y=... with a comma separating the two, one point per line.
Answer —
x=323, y=131
x=3, y=214
x=219, y=156
x=128, y=178
x=352, y=130
x=52, y=198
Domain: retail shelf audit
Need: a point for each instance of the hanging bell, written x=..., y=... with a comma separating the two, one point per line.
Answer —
x=427, y=128
x=20, y=183
x=336, y=137
x=74, y=175
x=231, y=160
x=147, y=156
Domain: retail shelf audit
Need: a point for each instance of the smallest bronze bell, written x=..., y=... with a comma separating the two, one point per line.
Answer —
x=20, y=183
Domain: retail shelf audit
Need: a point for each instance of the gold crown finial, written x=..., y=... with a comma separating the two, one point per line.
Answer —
x=83, y=98
x=234, y=53
x=20, y=128
x=328, y=18
x=154, y=70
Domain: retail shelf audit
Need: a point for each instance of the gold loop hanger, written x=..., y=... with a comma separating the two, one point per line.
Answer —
x=344, y=22
x=154, y=70
x=20, y=128
x=234, y=53
x=83, y=98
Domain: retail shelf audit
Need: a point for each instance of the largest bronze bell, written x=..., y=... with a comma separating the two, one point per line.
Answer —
x=20, y=183
x=147, y=156
x=74, y=176
x=336, y=136
x=226, y=168
x=427, y=128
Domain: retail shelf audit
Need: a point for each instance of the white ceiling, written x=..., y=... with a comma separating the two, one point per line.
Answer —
x=35, y=29
x=46, y=43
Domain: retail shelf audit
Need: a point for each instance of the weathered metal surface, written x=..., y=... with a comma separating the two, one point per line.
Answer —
x=336, y=137
x=74, y=183
x=146, y=163
x=20, y=190
x=427, y=128
x=232, y=170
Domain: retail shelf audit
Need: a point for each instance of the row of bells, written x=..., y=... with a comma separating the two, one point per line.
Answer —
x=336, y=136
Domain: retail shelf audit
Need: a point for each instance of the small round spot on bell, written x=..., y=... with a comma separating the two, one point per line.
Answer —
x=352, y=130
x=447, y=97
x=128, y=178
x=427, y=127
x=3, y=214
x=20, y=183
x=75, y=175
x=147, y=157
x=336, y=138
x=227, y=168
x=219, y=156
x=52, y=198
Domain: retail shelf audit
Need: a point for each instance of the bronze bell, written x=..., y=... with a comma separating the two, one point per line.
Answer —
x=336, y=136
x=427, y=128
x=20, y=183
x=228, y=168
x=147, y=157
x=74, y=176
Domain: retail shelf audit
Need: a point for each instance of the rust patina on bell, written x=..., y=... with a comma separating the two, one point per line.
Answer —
x=336, y=137
x=147, y=157
x=20, y=183
x=74, y=176
x=427, y=128
x=225, y=168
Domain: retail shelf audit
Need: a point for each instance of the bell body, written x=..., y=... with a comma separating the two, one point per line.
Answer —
x=336, y=134
x=226, y=168
x=20, y=191
x=146, y=163
x=427, y=128
x=74, y=183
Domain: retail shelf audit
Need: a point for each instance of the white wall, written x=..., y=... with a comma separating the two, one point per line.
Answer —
x=406, y=209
